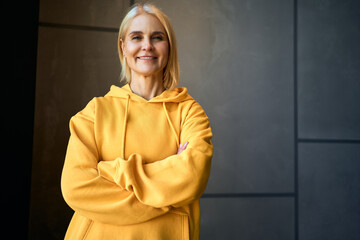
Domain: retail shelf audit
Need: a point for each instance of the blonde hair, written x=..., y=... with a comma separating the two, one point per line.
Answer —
x=171, y=71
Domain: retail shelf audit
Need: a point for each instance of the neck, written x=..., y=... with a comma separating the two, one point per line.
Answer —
x=146, y=86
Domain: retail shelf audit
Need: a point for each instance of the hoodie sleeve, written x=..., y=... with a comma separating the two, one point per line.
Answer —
x=174, y=181
x=90, y=194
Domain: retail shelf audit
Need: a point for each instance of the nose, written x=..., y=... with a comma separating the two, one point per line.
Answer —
x=147, y=44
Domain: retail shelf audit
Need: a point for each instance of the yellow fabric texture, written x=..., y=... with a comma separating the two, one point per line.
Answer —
x=122, y=176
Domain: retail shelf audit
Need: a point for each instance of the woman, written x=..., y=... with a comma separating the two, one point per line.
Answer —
x=139, y=158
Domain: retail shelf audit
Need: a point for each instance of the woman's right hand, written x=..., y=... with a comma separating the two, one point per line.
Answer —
x=182, y=148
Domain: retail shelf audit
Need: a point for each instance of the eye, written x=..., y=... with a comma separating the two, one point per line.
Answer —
x=158, y=37
x=136, y=37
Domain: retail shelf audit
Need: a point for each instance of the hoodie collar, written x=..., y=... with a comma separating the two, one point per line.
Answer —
x=179, y=94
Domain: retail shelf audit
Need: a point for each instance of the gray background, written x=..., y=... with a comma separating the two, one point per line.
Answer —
x=279, y=81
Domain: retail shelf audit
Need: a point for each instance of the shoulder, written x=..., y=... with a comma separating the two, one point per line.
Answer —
x=190, y=102
x=88, y=111
x=191, y=110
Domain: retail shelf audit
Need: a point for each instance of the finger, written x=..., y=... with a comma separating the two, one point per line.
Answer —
x=180, y=151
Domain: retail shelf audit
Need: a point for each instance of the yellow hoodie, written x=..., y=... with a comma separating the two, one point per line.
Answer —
x=122, y=176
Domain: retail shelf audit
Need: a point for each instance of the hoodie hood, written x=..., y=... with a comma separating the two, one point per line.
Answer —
x=179, y=94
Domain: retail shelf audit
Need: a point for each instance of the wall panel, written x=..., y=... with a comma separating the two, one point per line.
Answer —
x=329, y=193
x=247, y=218
x=93, y=13
x=329, y=86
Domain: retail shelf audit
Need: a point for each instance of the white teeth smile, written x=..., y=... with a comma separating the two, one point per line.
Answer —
x=147, y=58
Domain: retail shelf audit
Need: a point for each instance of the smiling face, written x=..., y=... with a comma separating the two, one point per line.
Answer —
x=146, y=46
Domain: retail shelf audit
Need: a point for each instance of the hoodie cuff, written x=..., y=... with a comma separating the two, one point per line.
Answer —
x=111, y=171
x=120, y=171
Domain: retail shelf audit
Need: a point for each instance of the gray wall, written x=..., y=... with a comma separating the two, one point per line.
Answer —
x=279, y=81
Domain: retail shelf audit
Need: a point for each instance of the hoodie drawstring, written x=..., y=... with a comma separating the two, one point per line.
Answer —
x=125, y=124
x=171, y=126
x=126, y=119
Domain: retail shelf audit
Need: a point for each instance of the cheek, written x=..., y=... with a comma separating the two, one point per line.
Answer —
x=131, y=49
x=164, y=49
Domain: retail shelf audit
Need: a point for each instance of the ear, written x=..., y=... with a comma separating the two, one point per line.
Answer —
x=122, y=45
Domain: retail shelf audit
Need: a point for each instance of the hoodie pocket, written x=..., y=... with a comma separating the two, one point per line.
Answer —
x=184, y=224
x=186, y=230
x=79, y=228
x=174, y=225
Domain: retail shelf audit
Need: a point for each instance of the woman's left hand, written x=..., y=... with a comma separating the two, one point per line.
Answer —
x=182, y=148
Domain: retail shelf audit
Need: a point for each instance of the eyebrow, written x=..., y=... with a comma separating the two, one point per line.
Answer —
x=140, y=32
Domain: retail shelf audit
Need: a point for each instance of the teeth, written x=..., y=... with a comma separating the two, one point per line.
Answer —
x=147, y=58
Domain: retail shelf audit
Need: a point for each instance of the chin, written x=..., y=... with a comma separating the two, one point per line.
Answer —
x=149, y=72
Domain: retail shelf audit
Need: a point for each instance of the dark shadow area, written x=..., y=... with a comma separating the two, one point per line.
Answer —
x=19, y=76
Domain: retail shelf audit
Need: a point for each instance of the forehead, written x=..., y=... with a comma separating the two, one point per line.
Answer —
x=145, y=23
